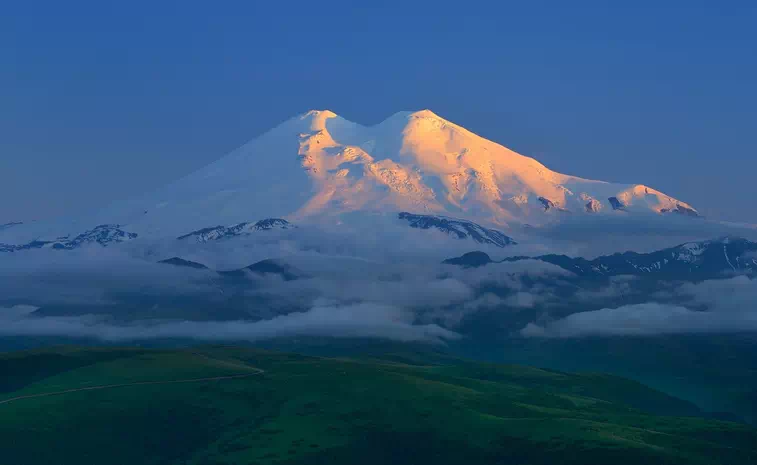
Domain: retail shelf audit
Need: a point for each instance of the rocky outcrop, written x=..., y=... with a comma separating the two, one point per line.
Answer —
x=460, y=229
x=180, y=262
x=681, y=210
x=225, y=232
x=616, y=204
x=470, y=260
x=593, y=206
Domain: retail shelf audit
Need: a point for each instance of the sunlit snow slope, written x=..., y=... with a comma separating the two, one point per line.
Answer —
x=319, y=165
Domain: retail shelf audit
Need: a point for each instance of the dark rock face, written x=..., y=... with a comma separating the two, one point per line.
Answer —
x=470, y=260
x=270, y=223
x=551, y=205
x=548, y=204
x=459, y=229
x=176, y=261
x=681, y=210
x=593, y=206
x=616, y=204
x=104, y=235
x=224, y=232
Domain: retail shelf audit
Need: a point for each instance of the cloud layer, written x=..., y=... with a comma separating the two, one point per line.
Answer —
x=721, y=306
x=347, y=289
x=362, y=320
x=352, y=285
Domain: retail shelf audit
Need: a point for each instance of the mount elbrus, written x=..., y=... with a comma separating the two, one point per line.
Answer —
x=319, y=166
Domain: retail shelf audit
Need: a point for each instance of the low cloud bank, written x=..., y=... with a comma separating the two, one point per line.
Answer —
x=407, y=295
x=721, y=306
x=362, y=320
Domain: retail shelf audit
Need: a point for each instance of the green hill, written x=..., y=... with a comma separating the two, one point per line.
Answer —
x=216, y=405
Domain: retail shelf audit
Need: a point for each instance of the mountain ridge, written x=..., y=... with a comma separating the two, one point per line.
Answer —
x=700, y=260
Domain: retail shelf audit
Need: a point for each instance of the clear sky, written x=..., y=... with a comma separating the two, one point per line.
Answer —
x=101, y=100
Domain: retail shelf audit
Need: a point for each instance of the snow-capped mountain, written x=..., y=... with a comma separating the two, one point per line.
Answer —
x=104, y=235
x=693, y=260
x=459, y=229
x=241, y=229
x=319, y=167
x=108, y=234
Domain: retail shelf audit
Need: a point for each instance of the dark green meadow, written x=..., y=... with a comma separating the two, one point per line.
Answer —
x=398, y=408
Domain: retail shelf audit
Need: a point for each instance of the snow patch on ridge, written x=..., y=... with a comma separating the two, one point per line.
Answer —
x=103, y=235
x=225, y=232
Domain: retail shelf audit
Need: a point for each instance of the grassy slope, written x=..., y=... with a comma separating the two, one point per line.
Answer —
x=406, y=408
x=717, y=372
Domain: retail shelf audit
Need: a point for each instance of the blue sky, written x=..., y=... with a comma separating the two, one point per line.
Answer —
x=103, y=100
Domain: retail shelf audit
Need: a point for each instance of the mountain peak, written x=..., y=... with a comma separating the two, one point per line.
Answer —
x=316, y=120
x=406, y=117
x=320, y=164
x=323, y=164
x=426, y=113
x=318, y=114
